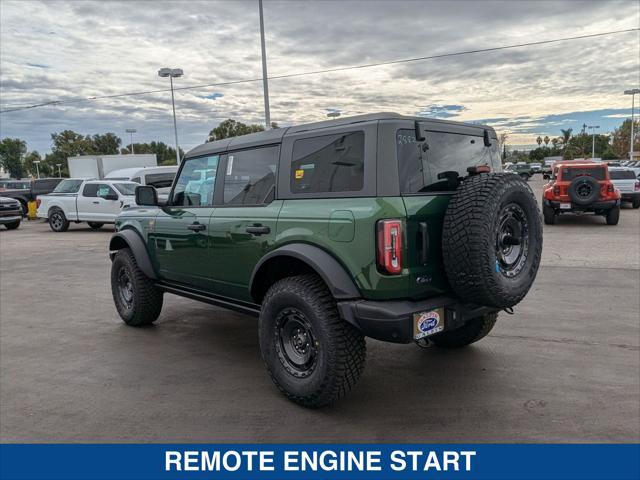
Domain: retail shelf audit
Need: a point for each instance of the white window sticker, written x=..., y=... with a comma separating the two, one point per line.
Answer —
x=229, y=164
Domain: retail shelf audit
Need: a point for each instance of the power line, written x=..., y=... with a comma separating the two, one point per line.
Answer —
x=318, y=72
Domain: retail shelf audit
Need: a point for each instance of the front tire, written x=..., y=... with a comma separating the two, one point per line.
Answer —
x=137, y=299
x=12, y=225
x=58, y=221
x=613, y=216
x=312, y=355
x=635, y=202
x=472, y=331
x=95, y=225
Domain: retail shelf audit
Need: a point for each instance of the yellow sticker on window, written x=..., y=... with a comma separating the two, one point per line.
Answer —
x=299, y=174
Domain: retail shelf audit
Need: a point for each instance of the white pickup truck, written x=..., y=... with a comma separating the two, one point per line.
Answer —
x=625, y=180
x=79, y=200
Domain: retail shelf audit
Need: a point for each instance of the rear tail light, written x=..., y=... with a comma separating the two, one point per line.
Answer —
x=38, y=202
x=556, y=190
x=610, y=188
x=637, y=187
x=389, y=246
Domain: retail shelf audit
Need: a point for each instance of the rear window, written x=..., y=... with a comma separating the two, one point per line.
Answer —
x=622, y=175
x=331, y=163
x=158, y=180
x=568, y=174
x=68, y=186
x=446, y=158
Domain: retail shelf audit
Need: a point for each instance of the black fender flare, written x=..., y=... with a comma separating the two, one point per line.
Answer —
x=339, y=282
x=132, y=240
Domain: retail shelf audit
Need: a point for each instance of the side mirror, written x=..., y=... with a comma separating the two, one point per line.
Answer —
x=146, y=196
x=111, y=196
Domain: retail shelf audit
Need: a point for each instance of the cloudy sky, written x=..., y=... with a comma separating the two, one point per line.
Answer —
x=61, y=50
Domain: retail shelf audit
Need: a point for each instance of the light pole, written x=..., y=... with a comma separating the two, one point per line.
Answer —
x=633, y=98
x=59, y=172
x=37, y=162
x=131, y=131
x=173, y=73
x=593, y=143
x=265, y=81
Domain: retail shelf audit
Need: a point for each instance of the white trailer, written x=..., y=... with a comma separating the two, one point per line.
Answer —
x=98, y=166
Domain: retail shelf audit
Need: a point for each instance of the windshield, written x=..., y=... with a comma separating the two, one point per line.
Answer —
x=622, y=175
x=68, y=186
x=439, y=162
x=126, y=188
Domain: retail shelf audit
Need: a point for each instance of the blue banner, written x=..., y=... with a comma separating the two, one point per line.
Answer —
x=318, y=461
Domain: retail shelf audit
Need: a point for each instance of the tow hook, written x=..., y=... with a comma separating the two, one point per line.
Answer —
x=424, y=343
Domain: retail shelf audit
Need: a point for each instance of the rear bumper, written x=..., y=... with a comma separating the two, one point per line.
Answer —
x=606, y=205
x=393, y=321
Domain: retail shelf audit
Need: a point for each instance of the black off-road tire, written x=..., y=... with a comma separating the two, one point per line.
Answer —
x=474, y=235
x=635, y=203
x=549, y=215
x=12, y=225
x=613, y=216
x=95, y=225
x=584, y=190
x=338, y=350
x=146, y=299
x=472, y=331
x=58, y=221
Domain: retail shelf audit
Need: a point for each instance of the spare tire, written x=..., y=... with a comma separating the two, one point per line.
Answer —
x=584, y=190
x=492, y=240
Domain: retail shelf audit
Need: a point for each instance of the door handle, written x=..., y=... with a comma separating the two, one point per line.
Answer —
x=257, y=230
x=196, y=227
x=96, y=203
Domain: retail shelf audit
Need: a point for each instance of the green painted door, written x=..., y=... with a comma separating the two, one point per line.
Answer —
x=181, y=237
x=243, y=228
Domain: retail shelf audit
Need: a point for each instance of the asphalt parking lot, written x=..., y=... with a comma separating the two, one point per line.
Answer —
x=563, y=368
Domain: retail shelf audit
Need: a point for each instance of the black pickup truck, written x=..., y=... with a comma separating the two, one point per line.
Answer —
x=26, y=191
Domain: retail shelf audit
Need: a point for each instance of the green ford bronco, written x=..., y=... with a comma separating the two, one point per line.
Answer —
x=397, y=228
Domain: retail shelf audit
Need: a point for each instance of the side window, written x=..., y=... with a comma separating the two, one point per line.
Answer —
x=195, y=185
x=90, y=190
x=104, y=190
x=251, y=176
x=331, y=163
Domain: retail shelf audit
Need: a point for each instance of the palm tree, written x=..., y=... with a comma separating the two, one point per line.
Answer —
x=539, y=140
x=566, y=135
x=546, y=140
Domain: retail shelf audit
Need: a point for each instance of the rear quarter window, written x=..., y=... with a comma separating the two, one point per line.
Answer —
x=622, y=175
x=329, y=163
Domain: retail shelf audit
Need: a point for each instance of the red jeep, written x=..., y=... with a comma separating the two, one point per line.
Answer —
x=580, y=187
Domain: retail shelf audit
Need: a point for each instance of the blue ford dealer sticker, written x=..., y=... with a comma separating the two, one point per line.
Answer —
x=428, y=323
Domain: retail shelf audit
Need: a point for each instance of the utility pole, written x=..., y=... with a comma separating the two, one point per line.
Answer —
x=173, y=73
x=633, y=98
x=593, y=141
x=131, y=131
x=265, y=80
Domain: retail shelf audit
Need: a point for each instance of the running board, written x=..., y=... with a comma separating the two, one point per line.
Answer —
x=224, y=302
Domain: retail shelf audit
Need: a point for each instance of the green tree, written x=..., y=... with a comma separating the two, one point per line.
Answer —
x=233, y=128
x=566, y=136
x=11, y=152
x=30, y=166
x=106, y=144
x=165, y=154
x=621, y=138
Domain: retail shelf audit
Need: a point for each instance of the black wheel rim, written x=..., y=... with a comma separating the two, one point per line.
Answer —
x=56, y=221
x=125, y=288
x=584, y=190
x=295, y=343
x=512, y=242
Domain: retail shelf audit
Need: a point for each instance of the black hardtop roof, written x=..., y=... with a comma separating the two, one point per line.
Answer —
x=274, y=136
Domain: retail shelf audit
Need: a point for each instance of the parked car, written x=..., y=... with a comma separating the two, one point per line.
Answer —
x=398, y=228
x=580, y=187
x=10, y=213
x=159, y=177
x=93, y=201
x=26, y=191
x=535, y=167
x=625, y=180
x=523, y=170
